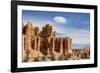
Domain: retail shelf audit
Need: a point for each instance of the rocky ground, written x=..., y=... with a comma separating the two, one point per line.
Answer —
x=35, y=56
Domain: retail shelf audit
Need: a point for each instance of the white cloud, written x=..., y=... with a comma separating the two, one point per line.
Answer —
x=60, y=19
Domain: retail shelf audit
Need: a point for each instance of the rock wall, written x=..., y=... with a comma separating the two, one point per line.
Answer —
x=44, y=44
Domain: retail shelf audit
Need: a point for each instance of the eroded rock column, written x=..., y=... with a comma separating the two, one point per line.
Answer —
x=35, y=43
x=61, y=46
x=39, y=39
x=53, y=48
x=48, y=48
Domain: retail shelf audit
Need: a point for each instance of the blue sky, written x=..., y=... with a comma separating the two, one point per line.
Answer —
x=71, y=24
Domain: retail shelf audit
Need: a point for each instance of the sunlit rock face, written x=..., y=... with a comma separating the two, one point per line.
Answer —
x=44, y=45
